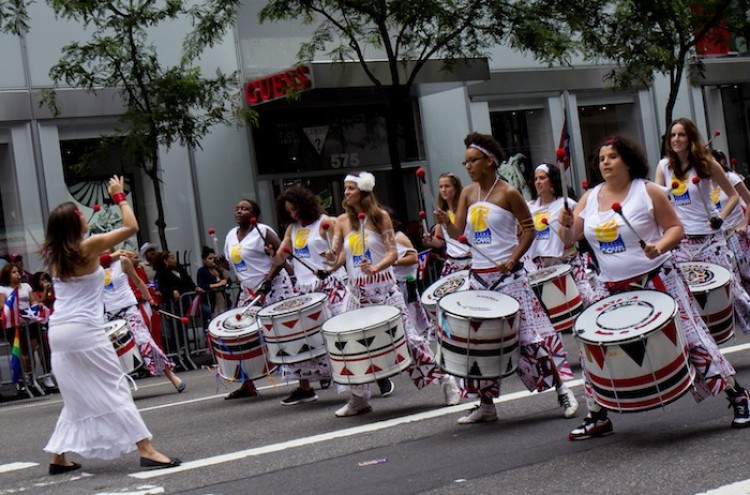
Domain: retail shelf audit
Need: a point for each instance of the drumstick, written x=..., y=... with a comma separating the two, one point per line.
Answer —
x=290, y=253
x=361, y=218
x=464, y=240
x=325, y=225
x=183, y=319
x=618, y=209
x=212, y=233
x=545, y=221
x=423, y=217
x=717, y=133
x=714, y=220
x=423, y=184
x=450, y=241
x=252, y=303
x=96, y=209
x=254, y=223
x=585, y=185
x=561, y=155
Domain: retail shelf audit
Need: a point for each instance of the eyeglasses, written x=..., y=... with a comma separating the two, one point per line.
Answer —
x=472, y=161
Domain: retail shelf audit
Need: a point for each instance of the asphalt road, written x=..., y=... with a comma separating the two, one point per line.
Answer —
x=410, y=443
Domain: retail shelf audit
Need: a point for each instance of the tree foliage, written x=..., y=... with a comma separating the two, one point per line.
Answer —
x=14, y=16
x=164, y=105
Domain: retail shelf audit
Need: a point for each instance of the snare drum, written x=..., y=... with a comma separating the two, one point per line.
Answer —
x=634, y=351
x=366, y=344
x=558, y=293
x=291, y=328
x=710, y=285
x=123, y=340
x=478, y=336
x=237, y=346
x=449, y=284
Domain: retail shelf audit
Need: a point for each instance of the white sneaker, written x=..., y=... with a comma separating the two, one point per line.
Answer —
x=48, y=382
x=451, y=391
x=569, y=403
x=355, y=406
x=480, y=414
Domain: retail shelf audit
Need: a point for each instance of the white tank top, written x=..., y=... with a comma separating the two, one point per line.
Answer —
x=690, y=200
x=79, y=300
x=492, y=230
x=117, y=292
x=308, y=245
x=374, y=251
x=248, y=257
x=454, y=248
x=547, y=242
x=719, y=199
x=617, y=249
x=402, y=271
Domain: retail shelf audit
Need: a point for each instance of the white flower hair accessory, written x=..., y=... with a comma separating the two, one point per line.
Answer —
x=365, y=182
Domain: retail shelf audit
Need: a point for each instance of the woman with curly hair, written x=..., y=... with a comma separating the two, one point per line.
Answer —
x=488, y=212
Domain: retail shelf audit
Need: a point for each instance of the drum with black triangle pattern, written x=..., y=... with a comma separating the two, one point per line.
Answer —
x=291, y=328
x=558, y=293
x=449, y=284
x=123, y=340
x=711, y=287
x=237, y=346
x=366, y=344
x=634, y=351
x=478, y=334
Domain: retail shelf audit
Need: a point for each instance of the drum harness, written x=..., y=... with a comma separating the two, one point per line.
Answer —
x=638, y=282
x=478, y=278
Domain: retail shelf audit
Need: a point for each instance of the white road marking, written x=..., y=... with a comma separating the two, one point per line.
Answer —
x=15, y=466
x=738, y=488
x=142, y=490
x=34, y=487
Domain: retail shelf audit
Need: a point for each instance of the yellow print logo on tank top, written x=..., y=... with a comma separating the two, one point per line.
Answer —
x=356, y=247
x=299, y=243
x=541, y=230
x=235, y=256
x=108, y=282
x=609, y=238
x=715, y=197
x=680, y=194
x=478, y=221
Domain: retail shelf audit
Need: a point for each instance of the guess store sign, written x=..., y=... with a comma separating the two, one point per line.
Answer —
x=278, y=85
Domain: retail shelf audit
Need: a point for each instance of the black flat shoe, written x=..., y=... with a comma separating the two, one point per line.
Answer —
x=150, y=463
x=60, y=469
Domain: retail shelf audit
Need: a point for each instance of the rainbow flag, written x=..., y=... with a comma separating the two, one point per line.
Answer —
x=195, y=306
x=16, y=369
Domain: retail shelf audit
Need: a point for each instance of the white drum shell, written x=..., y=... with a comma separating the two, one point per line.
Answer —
x=123, y=341
x=559, y=295
x=291, y=328
x=711, y=289
x=237, y=346
x=449, y=284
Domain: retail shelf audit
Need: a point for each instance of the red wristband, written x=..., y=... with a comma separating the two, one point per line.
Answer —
x=118, y=198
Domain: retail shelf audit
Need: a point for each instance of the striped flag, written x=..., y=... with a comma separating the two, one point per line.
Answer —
x=11, y=316
x=36, y=313
x=16, y=370
x=195, y=306
x=565, y=144
x=423, y=257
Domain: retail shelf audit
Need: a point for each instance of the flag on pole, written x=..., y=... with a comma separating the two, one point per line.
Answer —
x=565, y=143
x=195, y=306
x=11, y=316
x=423, y=257
x=36, y=313
x=16, y=370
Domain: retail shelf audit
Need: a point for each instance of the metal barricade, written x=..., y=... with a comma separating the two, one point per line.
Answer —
x=195, y=330
x=36, y=369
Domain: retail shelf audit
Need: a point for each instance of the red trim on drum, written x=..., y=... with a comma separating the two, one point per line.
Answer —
x=619, y=383
x=713, y=318
x=452, y=337
x=567, y=306
x=238, y=356
x=345, y=358
x=121, y=351
x=666, y=398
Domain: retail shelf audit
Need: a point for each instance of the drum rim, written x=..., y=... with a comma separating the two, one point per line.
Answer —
x=264, y=312
x=395, y=316
x=701, y=288
x=629, y=339
x=552, y=276
x=213, y=324
x=478, y=318
x=433, y=286
x=121, y=322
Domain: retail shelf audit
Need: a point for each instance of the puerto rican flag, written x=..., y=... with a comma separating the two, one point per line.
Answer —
x=11, y=315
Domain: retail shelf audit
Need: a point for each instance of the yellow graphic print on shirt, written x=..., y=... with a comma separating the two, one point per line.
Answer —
x=609, y=238
x=541, y=230
x=478, y=221
x=356, y=247
x=235, y=256
x=680, y=194
x=715, y=197
x=108, y=282
x=299, y=243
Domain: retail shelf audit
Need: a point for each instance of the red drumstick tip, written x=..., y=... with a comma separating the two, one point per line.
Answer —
x=420, y=173
x=696, y=180
x=463, y=239
x=360, y=216
x=561, y=154
x=717, y=132
x=675, y=184
x=617, y=207
x=185, y=320
x=422, y=214
x=96, y=207
x=733, y=161
x=286, y=249
x=238, y=316
x=545, y=221
x=439, y=236
x=253, y=220
x=585, y=184
x=211, y=231
x=325, y=225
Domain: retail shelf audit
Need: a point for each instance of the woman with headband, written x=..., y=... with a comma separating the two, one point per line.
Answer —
x=369, y=264
x=458, y=256
x=489, y=211
x=548, y=249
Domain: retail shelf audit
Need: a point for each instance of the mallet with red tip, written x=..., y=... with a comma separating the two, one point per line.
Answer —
x=617, y=207
x=252, y=303
x=325, y=225
x=212, y=233
x=585, y=185
x=183, y=319
x=712, y=219
x=361, y=217
x=96, y=209
x=423, y=184
x=321, y=274
x=545, y=221
x=717, y=133
x=465, y=240
x=561, y=155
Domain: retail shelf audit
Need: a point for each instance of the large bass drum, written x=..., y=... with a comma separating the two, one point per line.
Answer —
x=237, y=346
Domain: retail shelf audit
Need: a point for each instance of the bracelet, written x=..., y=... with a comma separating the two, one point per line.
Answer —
x=118, y=198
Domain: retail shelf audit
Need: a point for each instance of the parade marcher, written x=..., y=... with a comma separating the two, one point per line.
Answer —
x=458, y=256
x=248, y=248
x=688, y=172
x=120, y=303
x=99, y=418
x=307, y=237
x=369, y=263
x=548, y=248
x=625, y=265
x=489, y=211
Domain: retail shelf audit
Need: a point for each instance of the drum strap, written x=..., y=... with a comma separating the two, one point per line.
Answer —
x=475, y=274
x=637, y=283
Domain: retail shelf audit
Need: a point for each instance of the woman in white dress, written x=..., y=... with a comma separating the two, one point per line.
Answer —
x=99, y=418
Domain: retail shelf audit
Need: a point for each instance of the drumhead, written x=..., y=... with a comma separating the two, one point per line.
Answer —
x=449, y=284
x=293, y=304
x=626, y=316
x=114, y=326
x=704, y=276
x=228, y=325
x=479, y=304
x=549, y=273
x=369, y=316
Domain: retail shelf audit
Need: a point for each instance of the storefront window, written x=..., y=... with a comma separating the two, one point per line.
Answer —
x=735, y=101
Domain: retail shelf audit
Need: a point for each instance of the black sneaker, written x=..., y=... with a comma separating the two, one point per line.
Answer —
x=386, y=387
x=741, y=412
x=594, y=425
x=299, y=396
x=325, y=383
